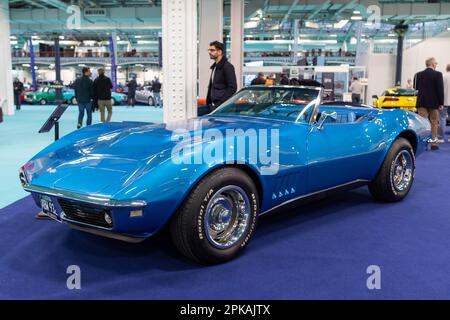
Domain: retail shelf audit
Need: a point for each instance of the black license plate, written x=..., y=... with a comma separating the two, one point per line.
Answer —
x=49, y=208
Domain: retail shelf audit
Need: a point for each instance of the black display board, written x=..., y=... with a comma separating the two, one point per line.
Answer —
x=53, y=120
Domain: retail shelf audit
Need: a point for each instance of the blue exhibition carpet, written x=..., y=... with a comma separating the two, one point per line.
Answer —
x=320, y=251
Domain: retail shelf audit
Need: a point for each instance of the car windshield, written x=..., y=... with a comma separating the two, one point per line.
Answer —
x=399, y=92
x=283, y=103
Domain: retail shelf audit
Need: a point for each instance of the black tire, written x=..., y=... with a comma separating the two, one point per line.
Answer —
x=73, y=101
x=113, y=102
x=42, y=102
x=187, y=227
x=382, y=187
x=151, y=101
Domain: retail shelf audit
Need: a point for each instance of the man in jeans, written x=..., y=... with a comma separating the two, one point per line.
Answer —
x=430, y=85
x=102, y=90
x=156, y=89
x=84, y=93
x=444, y=114
x=357, y=90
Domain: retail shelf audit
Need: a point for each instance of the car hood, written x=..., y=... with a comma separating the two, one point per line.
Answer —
x=103, y=159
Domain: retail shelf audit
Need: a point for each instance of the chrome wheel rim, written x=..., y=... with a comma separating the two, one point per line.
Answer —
x=402, y=172
x=227, y=217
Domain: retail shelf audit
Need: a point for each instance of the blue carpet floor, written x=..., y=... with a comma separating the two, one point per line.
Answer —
x=318, y=251
x=19, y=139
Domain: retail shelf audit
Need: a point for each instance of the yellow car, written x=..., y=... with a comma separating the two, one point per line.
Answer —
x=405, y=99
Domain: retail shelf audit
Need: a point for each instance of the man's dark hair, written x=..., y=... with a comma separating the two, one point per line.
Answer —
x=218, y=45
x=85, y=69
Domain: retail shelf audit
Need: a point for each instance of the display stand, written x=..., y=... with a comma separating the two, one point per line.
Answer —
x=53, y=120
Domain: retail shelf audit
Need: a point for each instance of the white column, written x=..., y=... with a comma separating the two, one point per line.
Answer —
x=211, y=29
x=179, y=28
x=237, y=39
x=6, y=87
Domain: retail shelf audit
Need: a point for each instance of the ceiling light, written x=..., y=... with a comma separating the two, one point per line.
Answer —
x=340, y=24
x=310, y=24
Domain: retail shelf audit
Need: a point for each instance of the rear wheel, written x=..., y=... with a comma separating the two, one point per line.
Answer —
x=151, y=101
x=113, y=102
x=218, y=218
x=396, y=175
x=42, y=102
x=73, y=101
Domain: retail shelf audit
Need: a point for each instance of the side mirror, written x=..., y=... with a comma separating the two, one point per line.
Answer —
x=324, y=116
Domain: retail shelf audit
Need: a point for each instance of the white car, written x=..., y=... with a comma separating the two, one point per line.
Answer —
x=145, y=95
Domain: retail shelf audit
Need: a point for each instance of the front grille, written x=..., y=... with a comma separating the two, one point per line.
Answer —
x=85, y=213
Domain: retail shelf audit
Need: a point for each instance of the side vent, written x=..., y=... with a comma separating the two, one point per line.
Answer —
x=286, y=186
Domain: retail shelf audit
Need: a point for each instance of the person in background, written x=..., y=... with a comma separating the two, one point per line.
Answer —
x=222, y=83
x=132, y=86
x=18, y=89
x=259, y=80
x=445, y=113
x=409, y=84
x=156, y=88
x=284, y=80
x=430, y=100
x=102, y=91
x=84, y=94
x=356, y=89
x=269, y=81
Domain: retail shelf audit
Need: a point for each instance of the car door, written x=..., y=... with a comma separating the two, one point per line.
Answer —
x=51, y=95
x=340, y=153
x=139, y=95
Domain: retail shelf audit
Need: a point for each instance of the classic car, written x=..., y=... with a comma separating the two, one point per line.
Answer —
x=46, y=95
x=116, y=98
x=397, y=97
x=145, y=95
x=129, y=180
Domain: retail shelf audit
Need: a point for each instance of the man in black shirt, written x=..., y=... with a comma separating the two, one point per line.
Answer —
x=222, y=84
x=156, y=89
x=18, y=89
x=102, y=91
x=132, y=86
x=430, y=85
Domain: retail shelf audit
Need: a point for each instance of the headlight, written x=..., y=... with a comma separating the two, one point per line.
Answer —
x=23, y=177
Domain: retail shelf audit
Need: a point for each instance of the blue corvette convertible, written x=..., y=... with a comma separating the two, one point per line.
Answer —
x=209, y=179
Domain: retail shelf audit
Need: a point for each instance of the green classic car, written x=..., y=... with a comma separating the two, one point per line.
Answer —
x=47, y=95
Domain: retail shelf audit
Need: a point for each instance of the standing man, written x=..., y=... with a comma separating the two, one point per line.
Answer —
x=356, y=89
x=284, y=80
x=156, y=88
x=102, y=90
x=259, y=80
x=430, y=100
x=222, y=84
x=18, y=89
x=444, y=114
x=84, y=93
x=132, y=86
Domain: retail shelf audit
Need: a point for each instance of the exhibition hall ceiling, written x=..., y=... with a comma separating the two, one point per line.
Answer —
x=268, y=20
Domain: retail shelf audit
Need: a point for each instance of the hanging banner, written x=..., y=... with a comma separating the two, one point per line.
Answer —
x=112, y=53
x=32, y=64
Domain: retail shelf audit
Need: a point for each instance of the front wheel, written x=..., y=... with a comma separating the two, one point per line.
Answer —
x=113, y=102
x=73, y=101
x=151, y=101
x=396, y=175
x=218, y=218
x=42, y=102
